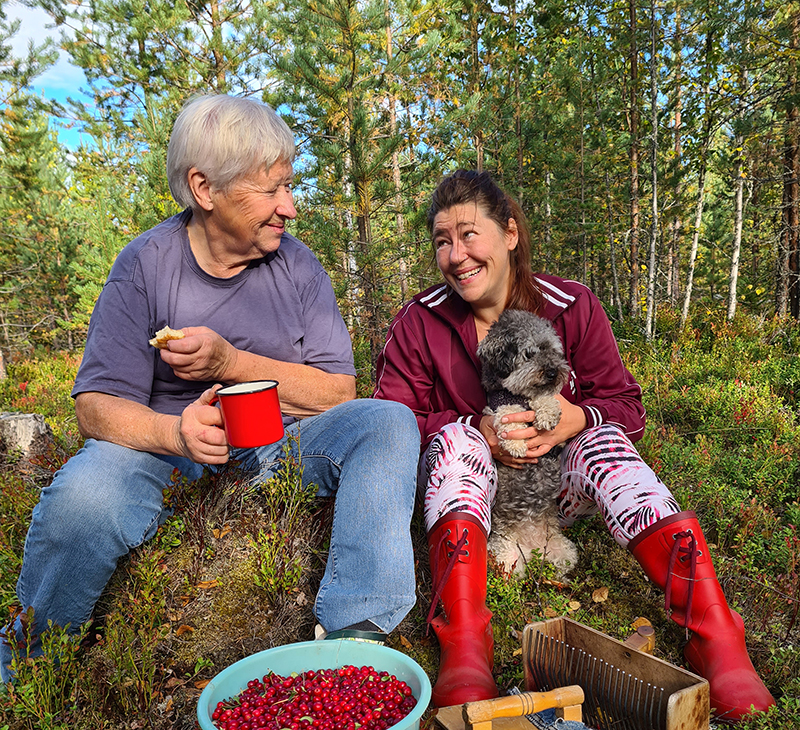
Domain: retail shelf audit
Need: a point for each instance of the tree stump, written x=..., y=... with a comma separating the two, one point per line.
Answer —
x=24, y=435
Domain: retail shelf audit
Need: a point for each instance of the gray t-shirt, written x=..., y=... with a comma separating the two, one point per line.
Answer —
x=281, y=306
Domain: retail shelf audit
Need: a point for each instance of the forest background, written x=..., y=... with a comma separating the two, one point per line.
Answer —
x=654, y=147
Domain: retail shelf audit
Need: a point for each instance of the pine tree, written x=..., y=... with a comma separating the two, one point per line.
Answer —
x=37, y=239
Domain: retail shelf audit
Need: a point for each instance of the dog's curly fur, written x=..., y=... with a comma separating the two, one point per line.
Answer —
x=523, y=368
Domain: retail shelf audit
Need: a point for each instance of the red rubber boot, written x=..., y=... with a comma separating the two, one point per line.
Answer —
x=457, y=549
x=674, y=554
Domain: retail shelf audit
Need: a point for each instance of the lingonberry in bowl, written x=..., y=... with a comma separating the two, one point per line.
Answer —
x=346, y=698
x=317, y=685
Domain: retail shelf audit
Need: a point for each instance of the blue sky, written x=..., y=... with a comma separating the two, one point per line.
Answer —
x=60, y=81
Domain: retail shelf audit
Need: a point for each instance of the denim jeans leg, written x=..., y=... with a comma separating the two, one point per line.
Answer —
x=103, y=502
x=364, y=452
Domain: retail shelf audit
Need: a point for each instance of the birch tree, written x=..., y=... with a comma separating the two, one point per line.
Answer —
x=652, y=268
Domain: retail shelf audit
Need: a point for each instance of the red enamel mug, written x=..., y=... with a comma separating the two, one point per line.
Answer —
x=251, y=413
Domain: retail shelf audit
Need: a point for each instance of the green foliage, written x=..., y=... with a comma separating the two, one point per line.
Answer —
x=135, y=628
x=37, y=238
x=17, y=500
x=44, y=686
x=42, y=385
x=723, y=433
x=276, y=552
x=106, y=220
x=288, y=500
x=278, y=567
x=16, y=73
x=728, y=440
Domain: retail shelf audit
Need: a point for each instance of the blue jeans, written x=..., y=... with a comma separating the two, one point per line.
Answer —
x=107, y=500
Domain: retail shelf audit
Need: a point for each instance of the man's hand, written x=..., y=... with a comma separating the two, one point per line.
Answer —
x=201, y=355
x=304, y=390
x=198, y=432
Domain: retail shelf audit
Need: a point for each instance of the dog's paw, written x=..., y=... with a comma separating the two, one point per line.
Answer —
x=513, y=447
x=506, y=554
x=517, y=448
x=513, y=547
x=548, y=413
x=563, y=554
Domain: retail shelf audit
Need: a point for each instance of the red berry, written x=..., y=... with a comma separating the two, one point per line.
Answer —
x=347, y=698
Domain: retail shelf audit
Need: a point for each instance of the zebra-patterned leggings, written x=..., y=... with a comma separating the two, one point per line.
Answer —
x=600, y=471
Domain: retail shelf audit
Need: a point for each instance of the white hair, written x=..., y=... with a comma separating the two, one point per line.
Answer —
x=228, y=138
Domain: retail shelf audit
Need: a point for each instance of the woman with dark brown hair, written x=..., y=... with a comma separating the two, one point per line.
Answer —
x=430, y=364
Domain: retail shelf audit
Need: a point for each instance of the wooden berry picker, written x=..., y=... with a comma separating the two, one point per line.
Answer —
x=593, y=680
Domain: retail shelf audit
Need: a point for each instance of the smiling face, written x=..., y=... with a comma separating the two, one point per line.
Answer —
x=473, y=254
x=246, y=221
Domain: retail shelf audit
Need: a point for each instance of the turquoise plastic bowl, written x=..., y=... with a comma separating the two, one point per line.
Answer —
x=306, y=655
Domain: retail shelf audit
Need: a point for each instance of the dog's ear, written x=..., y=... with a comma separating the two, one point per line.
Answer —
x=497, y=356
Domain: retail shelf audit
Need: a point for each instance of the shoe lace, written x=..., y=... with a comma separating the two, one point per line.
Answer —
x=456, y=551
x=679, y=550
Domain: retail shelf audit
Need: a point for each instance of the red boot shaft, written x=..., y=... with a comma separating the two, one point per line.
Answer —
x=457, y=549
x=675, y=556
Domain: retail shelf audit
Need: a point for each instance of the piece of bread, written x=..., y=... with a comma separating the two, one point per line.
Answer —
x=165, y=335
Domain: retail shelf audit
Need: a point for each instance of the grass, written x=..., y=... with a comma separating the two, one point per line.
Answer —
x=235, y=569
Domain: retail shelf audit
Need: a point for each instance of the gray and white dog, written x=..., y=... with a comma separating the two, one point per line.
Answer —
x=523, y=370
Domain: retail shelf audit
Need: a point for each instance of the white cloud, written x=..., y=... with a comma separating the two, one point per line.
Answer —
x=59, y=81
x=34, y=24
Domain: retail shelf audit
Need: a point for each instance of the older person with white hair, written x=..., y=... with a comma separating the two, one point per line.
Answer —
x=253, y=303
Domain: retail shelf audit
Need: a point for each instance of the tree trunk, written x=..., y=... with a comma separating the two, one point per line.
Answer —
x=698, y=219
x=518, y=112
x=701, y=184
x=789, y=259
x=221, y=85
x=738, y=215
x=548, y=214
x=584, y=246
x=348, y=255
x=474, y=35
x=676, y=224
x=652, y=266
x=612, y=252
x=396, y=177
x=633, y=124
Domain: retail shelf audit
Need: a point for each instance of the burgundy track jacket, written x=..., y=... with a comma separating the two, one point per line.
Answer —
x=429, y=361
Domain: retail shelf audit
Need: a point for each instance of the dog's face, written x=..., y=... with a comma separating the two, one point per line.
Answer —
x=523, y=355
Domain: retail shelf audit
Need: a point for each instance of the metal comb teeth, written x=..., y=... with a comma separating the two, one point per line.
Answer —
x=614, y=699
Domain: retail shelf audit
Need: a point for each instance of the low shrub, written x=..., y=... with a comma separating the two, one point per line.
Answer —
x=235, y=568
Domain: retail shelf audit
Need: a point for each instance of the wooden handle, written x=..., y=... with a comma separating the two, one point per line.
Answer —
x=643, y=640
x=479, y=715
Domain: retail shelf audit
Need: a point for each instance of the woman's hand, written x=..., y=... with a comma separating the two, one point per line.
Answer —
x=573, y=421
x=486, y=427
x=202, y=355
